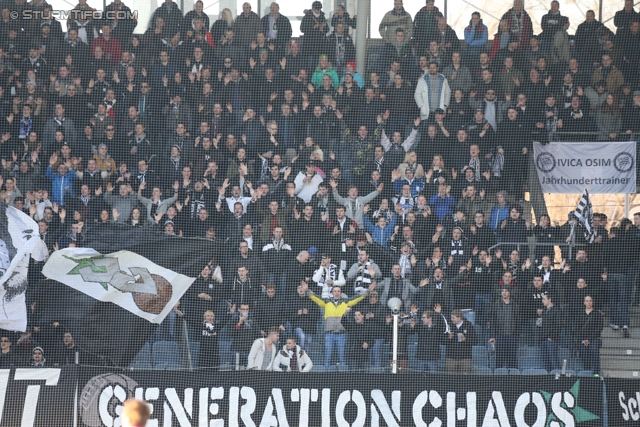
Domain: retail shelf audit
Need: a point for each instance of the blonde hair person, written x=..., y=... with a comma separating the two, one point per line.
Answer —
x=226, y=15
x=318, y=155
x=135, y=413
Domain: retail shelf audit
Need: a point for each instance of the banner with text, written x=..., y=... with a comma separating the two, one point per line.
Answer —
x=600, y=167
x=38, y=397
x=234, y=399
x=623, y=401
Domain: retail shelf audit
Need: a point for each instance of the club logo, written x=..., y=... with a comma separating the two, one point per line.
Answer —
x=545, y=162
x=623, y=162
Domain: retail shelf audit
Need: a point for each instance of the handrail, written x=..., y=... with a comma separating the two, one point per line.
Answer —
x=518, y=244
x=557, y=136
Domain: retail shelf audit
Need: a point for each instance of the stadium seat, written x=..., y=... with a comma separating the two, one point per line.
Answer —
x=534, y=371
x=501, y=371
x=569, y=372
x=586, y=373
x=143, y=358
x=514, y=371
x=166, y=355
x=481, y=370
x=480, y=356
x=194, y=348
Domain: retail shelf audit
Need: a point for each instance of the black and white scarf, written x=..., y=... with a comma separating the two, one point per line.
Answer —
x=405, y=265
x=364, y=279
x=457, y=248
x=330, y=273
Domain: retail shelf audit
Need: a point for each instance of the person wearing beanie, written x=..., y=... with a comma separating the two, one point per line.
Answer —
x=37, y=358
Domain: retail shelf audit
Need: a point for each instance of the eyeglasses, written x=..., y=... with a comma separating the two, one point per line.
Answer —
x=5, y=341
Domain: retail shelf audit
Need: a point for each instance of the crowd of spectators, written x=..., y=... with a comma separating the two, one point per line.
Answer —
x=326, y=192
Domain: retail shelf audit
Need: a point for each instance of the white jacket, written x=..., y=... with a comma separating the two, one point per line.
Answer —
x=321, y=276
x=422, y=95
x=282, y=358
x=258, y=353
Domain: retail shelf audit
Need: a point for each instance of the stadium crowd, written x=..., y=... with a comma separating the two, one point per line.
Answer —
x=327, y=192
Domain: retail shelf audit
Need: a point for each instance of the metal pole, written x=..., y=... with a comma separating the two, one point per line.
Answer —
x=361, y=36
x=600, y=11
x=626, y=205
x=446, y=4
x=394, y=360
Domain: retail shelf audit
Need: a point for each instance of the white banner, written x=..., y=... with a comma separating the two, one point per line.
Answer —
x=600, y=167
x=123, y=278
x=19, y=238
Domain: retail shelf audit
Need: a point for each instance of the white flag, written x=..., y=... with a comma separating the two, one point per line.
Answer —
x=19, y=239
x=123, y=278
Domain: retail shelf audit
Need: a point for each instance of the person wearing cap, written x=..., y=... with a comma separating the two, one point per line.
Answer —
x=350, y=68
x=314, y=28
x=37, y=358
x=397, y=18
x=276, y=27
x=432, y=92
x=425, y=25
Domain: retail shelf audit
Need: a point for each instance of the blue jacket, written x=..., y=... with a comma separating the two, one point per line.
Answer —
x=442, y=206
x=58, y=184
x=380, y=235
x=476, y=37
x=498, y=214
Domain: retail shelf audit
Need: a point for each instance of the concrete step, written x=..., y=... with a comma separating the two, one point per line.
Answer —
x=629, y=353
x=621, y=374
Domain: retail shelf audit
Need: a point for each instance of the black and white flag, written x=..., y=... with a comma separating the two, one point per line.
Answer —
x=19, y=239
x=584, y=213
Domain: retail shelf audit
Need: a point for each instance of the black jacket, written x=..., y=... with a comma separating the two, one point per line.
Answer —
x=461, y=350
x=430, y=338
x=552, y=322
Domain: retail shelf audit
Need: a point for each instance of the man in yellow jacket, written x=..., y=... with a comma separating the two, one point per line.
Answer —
x=334, y=332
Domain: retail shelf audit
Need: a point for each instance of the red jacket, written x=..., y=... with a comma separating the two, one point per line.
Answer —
x=111, y=48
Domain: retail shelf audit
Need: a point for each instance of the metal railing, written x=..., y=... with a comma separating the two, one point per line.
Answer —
x=518, y=245
x=585, y=136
